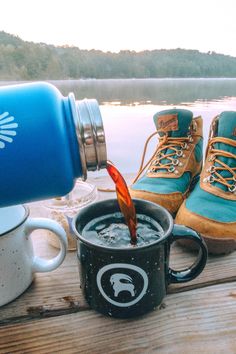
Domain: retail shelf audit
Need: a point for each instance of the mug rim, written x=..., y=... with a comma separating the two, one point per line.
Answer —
x=19, y=223
x=82, y=239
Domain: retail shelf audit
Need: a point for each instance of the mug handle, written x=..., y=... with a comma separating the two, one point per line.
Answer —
x=181, y=232
x=40, y=264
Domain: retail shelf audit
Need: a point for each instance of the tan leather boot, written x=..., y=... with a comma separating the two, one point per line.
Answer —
x=176, y=163
x=211, y=207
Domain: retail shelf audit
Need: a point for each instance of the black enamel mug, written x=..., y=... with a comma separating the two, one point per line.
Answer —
x=126, y=282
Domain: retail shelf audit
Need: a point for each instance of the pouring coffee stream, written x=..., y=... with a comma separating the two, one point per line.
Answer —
x=124, y=200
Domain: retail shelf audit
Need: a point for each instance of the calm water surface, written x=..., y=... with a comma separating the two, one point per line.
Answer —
x=128, y=106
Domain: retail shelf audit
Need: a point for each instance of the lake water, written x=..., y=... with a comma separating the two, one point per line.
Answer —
x=128, y=106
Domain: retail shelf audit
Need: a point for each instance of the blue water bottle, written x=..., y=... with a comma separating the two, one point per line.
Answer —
x=47, y=141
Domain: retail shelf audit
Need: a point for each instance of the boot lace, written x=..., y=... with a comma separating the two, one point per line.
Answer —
x=220, y=169
x=166, y=156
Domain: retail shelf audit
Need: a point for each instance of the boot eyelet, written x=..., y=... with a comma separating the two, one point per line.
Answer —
x=176, y=172
x=175, y=162
x=211, y=179
x=211, y=169
x=179, y=153
x=156, y=162
x=190, y=139
x=171, y=169
x=232, y=188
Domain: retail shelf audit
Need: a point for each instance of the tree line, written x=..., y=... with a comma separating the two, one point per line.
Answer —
x=21, y=60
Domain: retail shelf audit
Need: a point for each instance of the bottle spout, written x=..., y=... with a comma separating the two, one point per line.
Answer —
x=90, y=134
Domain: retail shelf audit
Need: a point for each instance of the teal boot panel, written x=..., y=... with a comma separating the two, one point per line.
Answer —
x=210, y=206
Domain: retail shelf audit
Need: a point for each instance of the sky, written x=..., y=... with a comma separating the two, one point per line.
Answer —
x=114, y=25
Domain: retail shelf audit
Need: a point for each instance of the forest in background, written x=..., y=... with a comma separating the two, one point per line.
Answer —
x=21, y=60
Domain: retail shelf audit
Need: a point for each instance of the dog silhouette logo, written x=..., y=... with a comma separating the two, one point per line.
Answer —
x=122, y=284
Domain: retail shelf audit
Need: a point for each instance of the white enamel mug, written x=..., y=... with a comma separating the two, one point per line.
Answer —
x=17, y=260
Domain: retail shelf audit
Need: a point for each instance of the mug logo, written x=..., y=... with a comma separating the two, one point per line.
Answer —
x=122, y=284
x=119, y=283
x=7, y=129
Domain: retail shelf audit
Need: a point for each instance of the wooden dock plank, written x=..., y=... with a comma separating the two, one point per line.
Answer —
x=50, y=293
x=201, y=320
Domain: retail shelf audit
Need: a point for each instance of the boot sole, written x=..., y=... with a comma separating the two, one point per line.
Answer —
x=215, y=246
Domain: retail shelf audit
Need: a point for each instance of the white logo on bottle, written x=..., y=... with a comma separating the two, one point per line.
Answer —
x=121, y=282
x=7, y=129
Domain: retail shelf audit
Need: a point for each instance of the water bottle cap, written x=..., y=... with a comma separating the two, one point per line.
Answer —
x=90, y=134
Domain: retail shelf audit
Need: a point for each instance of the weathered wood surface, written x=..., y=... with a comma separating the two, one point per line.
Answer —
x=196, y=321
x=52, y=316
x=58, y=292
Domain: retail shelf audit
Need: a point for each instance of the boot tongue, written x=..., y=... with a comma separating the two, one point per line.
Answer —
x=226, y=129
x=175, y=122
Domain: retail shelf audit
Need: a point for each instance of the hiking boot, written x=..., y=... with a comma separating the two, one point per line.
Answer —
x=211, y=207
x=176, y=164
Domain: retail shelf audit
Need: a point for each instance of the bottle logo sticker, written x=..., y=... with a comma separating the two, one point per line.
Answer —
x=7, y=129
x=122, y=284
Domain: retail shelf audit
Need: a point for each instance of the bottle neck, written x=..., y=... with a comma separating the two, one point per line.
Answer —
x=90, y=134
